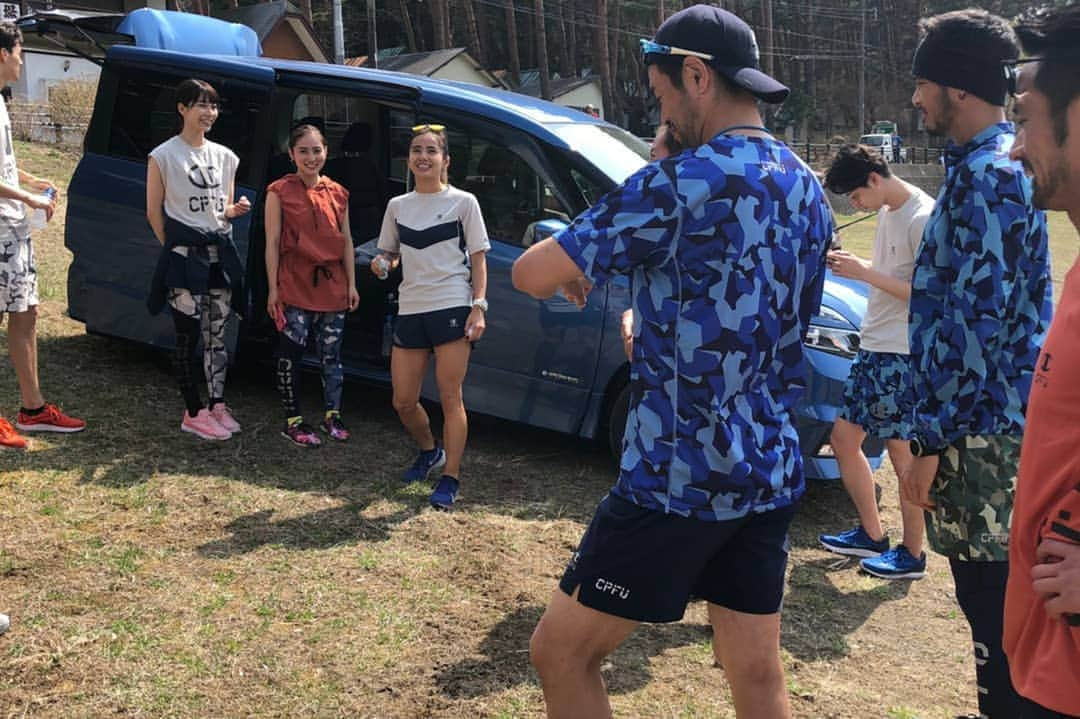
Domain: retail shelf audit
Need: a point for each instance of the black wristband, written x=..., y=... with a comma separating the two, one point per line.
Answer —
x=919, y=449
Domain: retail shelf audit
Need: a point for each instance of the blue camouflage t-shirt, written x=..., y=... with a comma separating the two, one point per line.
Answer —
x=981, y=297
x=726, y=246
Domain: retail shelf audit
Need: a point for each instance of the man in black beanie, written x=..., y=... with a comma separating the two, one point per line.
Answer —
x=979, y=310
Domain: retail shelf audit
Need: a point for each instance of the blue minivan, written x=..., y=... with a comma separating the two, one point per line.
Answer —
x=532, y=165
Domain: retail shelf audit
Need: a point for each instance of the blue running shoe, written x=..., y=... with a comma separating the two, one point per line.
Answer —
x=426, y=463
x=854, y=543
x=896, y=564
x=445, y=493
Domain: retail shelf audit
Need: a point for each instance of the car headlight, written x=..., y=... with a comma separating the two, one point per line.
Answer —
x=838, y=336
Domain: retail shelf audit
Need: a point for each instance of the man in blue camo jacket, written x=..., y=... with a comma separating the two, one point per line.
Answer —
x=725, y=244
x=980, y=307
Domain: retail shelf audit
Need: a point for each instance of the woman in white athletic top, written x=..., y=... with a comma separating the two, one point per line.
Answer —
x=437, y=234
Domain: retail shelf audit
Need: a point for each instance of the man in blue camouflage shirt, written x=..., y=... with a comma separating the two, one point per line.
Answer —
x=725, y=244
x=980, y=307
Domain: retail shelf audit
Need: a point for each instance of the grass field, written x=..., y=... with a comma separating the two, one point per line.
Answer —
x=149, y=574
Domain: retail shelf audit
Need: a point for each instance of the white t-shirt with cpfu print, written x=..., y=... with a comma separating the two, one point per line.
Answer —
x=197, y=182
x=435, y=233
x=13, y=218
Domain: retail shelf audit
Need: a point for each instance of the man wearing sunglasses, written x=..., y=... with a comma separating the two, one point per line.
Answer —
x=980, y=306
x=1042, y=603
x=725, y=246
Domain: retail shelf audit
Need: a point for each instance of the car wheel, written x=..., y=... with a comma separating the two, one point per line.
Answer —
x=616, y=421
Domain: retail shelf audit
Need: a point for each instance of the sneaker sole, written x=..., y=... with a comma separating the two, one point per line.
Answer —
x=203, y=435
x=48, y=428
x=850, y=551
x=886, y=575
x=305, y=445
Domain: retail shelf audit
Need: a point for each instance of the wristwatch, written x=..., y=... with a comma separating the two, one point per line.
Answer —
x=919, y=449
x=481, y=303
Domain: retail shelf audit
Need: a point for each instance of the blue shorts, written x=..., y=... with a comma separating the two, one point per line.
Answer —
x=878, y=395
x=428, y=330
x=645, y=565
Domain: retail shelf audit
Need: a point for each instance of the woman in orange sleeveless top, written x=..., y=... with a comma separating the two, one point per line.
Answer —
x=312, y=279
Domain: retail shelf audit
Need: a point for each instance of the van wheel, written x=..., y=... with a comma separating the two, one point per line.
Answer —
x=616, y=421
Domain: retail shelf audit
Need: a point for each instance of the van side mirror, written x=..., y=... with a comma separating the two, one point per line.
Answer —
x=546, y=228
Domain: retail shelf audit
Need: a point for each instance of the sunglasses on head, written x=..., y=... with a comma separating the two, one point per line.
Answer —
x=1011, y=68
x=426, y=127
x=648, y=47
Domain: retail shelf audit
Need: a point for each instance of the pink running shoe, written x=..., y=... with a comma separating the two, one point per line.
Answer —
x=334, y=427
x=204, y=426
x=302, y=435
x=224, y=417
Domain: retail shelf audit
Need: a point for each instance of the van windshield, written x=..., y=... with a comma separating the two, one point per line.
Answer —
x=614, y=151
x=874, y=140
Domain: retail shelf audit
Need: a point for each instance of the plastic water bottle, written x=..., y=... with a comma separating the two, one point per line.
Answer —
x=388, y=325
x=38, y=219
x=383, y=266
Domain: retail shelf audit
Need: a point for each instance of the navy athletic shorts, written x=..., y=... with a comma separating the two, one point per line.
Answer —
x=427, y=330
x=645, y=565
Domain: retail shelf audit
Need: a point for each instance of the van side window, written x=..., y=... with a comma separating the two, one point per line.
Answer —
x=144, y=116
x=512, y=195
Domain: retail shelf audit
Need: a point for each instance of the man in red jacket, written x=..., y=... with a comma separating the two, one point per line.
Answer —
x=1042, y=603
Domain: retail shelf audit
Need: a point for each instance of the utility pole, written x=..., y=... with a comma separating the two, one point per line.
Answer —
x=766, y=17
x=339, y=35
x=862, y=68
x=542, y=63
x=372, y=35
x=766, y=12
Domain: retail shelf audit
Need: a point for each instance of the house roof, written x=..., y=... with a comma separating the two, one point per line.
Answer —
x=424, y=63
x=420, y=63
x=263, y=17
x=530, y=84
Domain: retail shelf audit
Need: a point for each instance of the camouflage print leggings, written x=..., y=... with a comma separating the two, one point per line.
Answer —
x=200, y=317
x=328, y=329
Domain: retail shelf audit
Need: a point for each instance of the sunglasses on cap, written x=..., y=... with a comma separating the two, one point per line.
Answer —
x=648, y=47
x=426, y=127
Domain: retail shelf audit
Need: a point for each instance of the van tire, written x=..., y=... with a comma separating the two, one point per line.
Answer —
x=616, y=421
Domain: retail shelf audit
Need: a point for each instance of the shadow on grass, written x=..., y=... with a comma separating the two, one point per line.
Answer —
x=505, y=663
x=129, y=399
x=819, y=617
x=317, y=530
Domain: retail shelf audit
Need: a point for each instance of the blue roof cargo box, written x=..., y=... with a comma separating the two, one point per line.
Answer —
x=90, y=34
x=189, y=33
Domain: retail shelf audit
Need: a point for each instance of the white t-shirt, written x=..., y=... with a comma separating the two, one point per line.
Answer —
x=13, y=218
x=435, y=233
x=197, y=182
x=896, y=244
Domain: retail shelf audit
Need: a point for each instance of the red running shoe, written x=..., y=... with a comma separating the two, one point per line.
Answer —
x=49, y=419
x=9, y=438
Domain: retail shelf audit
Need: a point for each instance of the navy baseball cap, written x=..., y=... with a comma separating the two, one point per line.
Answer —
x=724, y=41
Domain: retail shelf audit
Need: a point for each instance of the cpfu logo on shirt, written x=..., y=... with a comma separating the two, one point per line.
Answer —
x=205, y=178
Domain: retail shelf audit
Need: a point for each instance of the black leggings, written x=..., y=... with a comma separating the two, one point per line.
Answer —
x=980, y=590
x=183, y=360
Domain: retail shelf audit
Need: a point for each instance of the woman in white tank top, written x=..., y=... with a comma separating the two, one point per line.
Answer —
x=189, y=190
